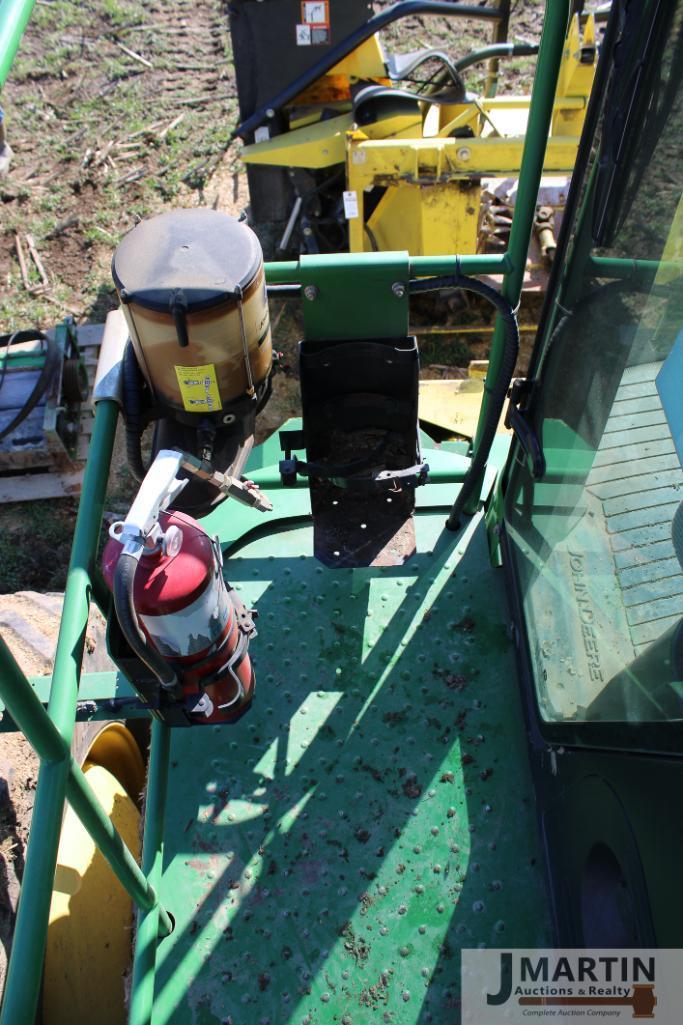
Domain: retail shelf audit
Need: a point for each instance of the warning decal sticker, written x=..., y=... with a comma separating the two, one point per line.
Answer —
x=199, y=388
x=303, y=35
x=350, y=204
x=314, y=29
x=315, y=12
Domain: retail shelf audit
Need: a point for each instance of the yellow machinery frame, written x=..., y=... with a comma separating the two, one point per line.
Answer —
x=417, y=160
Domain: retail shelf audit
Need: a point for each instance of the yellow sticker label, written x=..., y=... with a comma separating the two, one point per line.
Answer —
x=199, y=388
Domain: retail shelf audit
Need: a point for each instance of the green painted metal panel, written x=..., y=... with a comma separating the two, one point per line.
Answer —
x=362, y=295
x=20, y=360
x=330, y=854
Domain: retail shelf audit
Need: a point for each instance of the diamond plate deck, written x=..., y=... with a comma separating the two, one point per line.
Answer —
x=326, y=858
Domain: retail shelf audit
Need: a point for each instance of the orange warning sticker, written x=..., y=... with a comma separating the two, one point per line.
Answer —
x=315, y=13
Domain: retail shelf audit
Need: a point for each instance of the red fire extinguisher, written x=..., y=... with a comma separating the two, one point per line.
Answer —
x=173, y=605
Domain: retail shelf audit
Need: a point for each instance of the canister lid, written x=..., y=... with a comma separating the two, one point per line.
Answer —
x=207, y=255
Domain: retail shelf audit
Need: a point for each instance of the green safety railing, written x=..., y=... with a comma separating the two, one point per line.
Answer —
x=50, y=731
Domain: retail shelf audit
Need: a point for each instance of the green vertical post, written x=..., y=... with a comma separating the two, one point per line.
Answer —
x=540, y=114
x=142, y=990
x=14, y=15
x=30, y=934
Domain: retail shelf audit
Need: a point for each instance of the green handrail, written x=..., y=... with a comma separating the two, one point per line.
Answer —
x=142, y=989
x=535, y=141
x=51, y=734
x=14, y=15
x=23, y=704
x=622, y=269
x=288, y=272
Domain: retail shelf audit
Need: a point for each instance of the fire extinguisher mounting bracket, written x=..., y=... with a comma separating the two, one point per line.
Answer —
x=157, y=491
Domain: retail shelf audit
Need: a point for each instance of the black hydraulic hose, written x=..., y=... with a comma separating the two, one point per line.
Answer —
x=496, y=50
x=497, y=391
x=132, y=410
x=337, y=53
x=124, y=579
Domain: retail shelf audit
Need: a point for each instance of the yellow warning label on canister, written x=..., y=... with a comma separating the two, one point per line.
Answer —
x=199, y=388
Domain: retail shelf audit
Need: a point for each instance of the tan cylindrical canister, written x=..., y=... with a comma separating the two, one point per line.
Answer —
x=193, y=293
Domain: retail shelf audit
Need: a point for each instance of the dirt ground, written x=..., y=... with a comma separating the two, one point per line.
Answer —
x=117, y=109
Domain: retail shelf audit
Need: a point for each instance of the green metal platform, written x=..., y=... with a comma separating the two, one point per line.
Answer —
x=326, y=858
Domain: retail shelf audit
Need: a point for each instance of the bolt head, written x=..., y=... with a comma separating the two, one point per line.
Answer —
x=398, y=289
x=310, y=292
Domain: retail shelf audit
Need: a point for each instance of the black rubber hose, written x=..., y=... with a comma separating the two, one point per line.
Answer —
x=497, y=392
x=124, y=578
x=132, y=411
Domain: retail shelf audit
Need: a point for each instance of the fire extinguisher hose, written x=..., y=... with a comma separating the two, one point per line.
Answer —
x=124, y=578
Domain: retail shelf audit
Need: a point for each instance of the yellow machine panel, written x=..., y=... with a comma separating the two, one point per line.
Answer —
x=402, y=151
